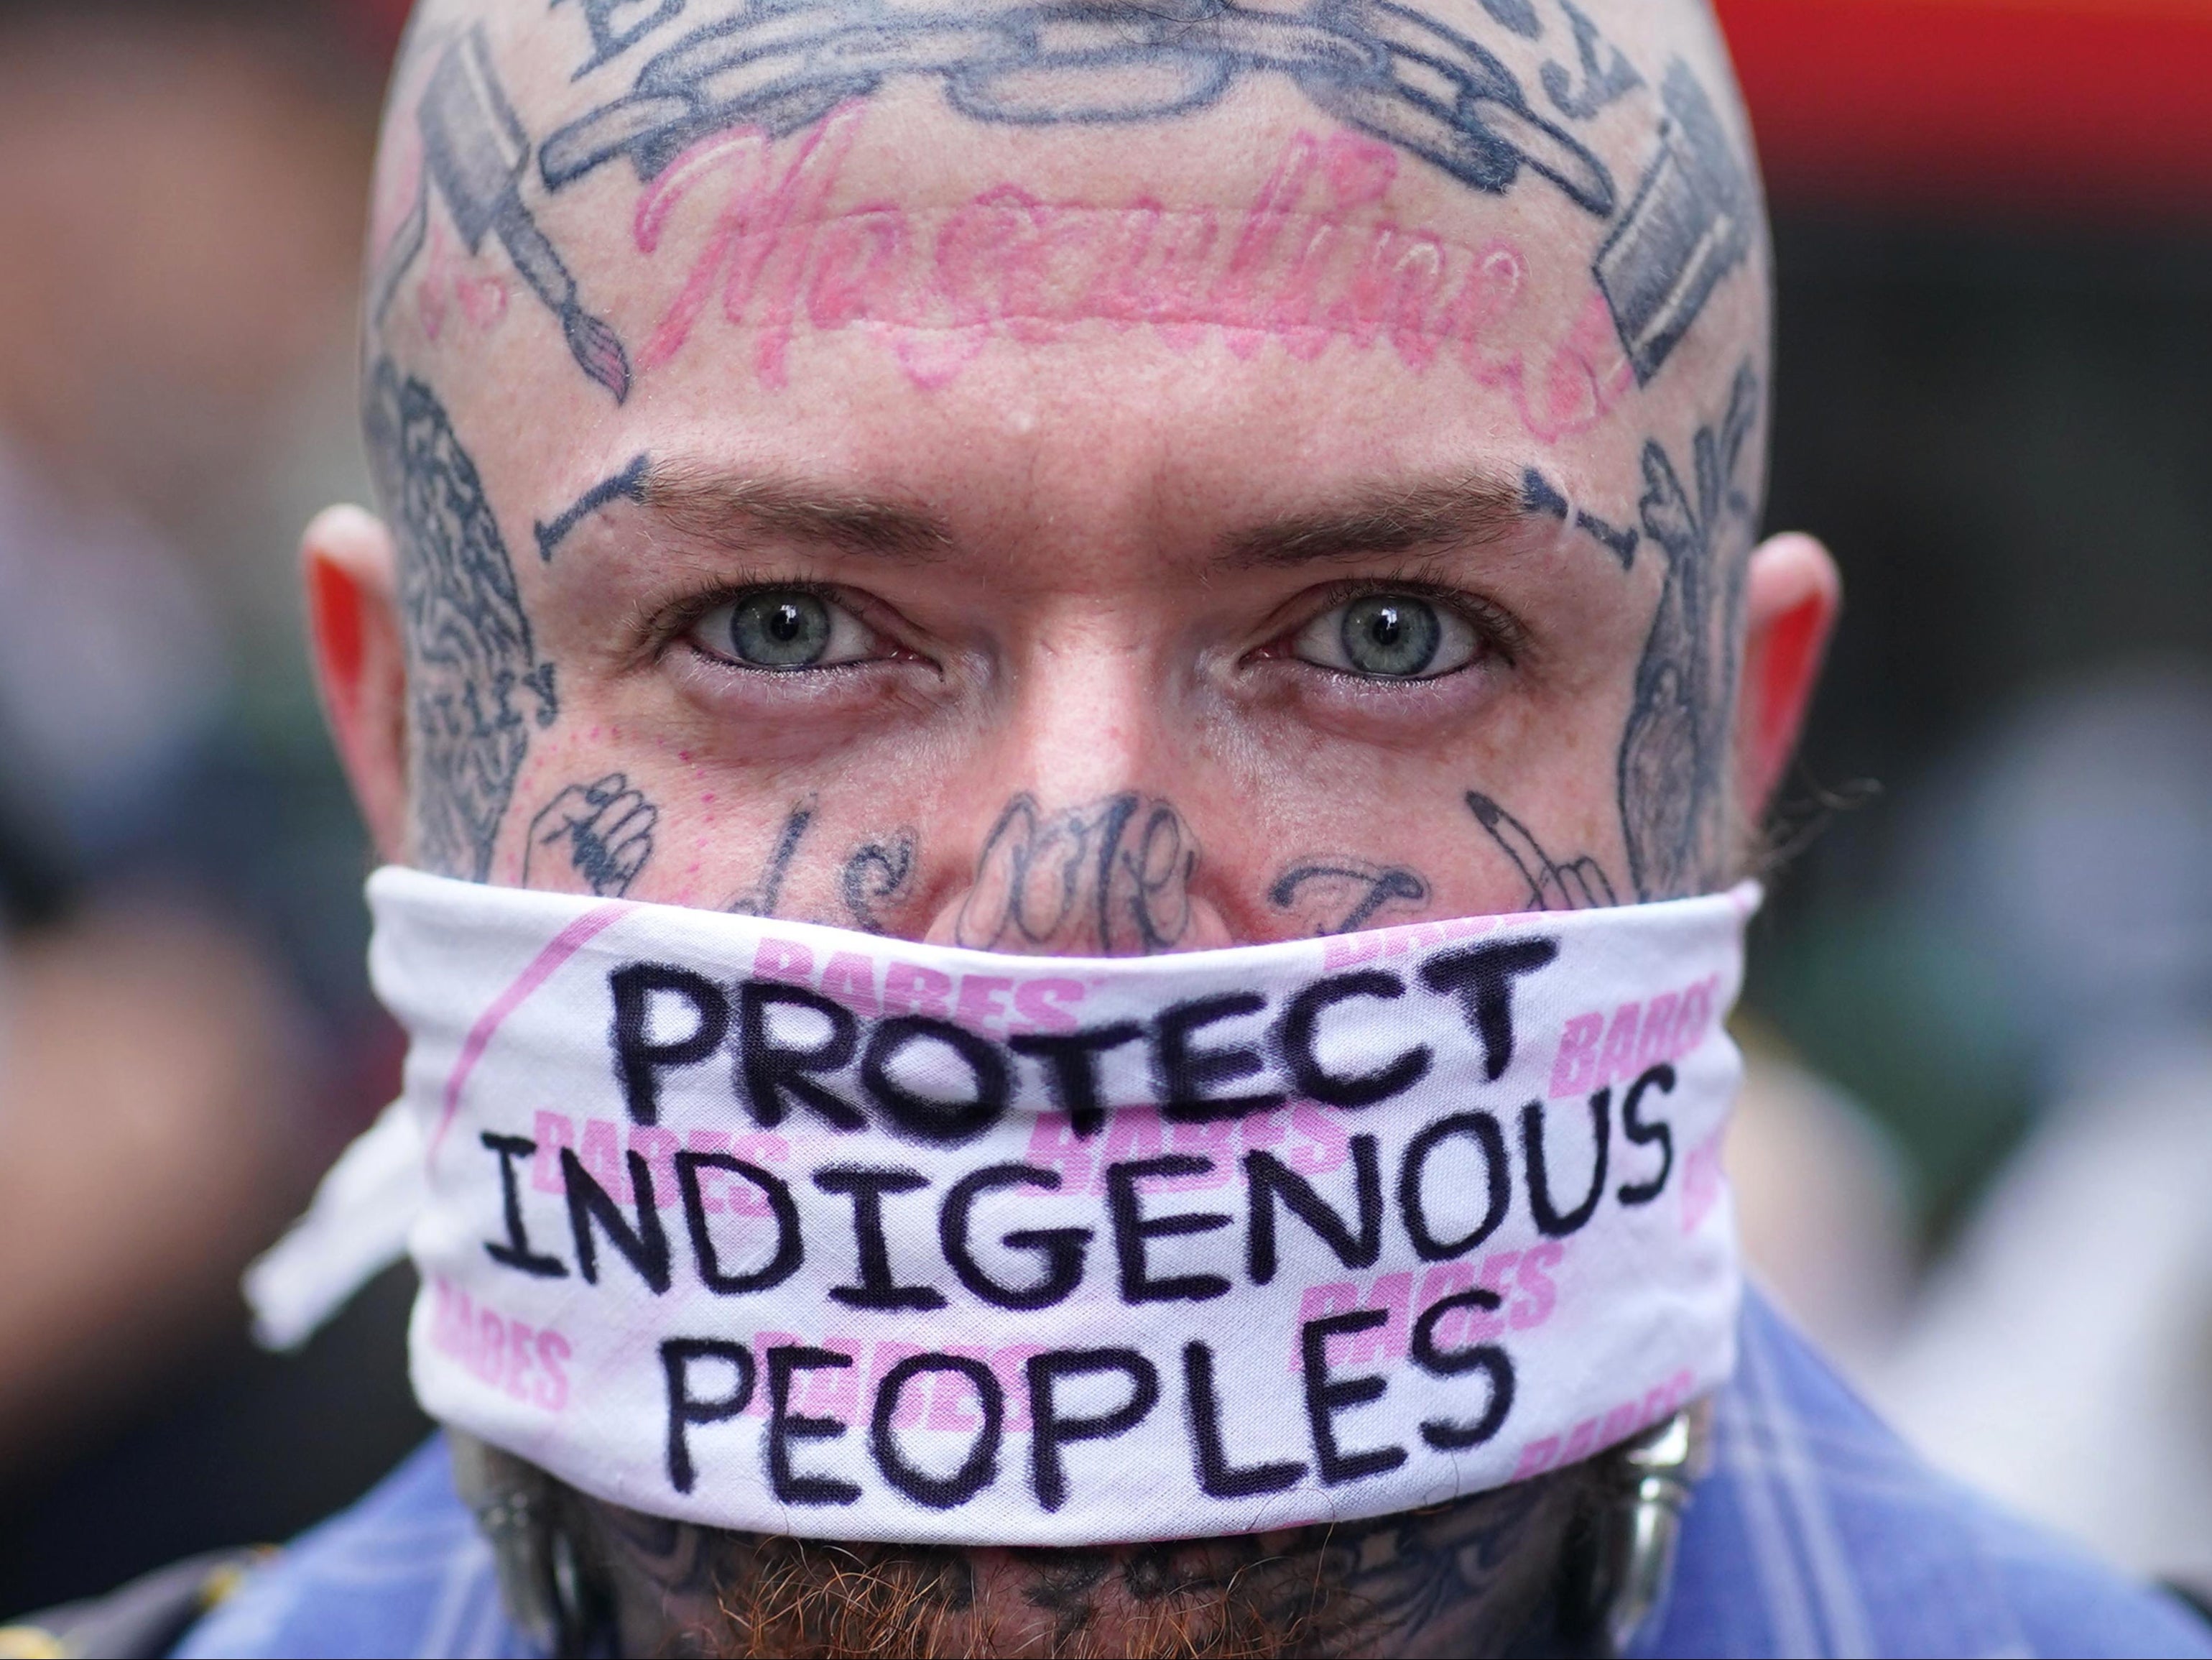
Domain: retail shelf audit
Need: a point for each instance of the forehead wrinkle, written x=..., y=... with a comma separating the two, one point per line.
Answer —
x=1473, y=510
x=735, y=511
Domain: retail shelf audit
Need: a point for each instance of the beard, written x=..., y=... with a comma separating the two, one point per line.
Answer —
x=807, y=1598
x=1496, y=1572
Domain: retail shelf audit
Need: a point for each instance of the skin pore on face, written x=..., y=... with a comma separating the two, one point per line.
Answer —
x=1071, y=480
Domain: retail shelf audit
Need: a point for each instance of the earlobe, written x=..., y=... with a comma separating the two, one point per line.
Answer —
x=359, y=664
x=1792, y=596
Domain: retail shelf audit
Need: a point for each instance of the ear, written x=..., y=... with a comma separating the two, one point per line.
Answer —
x=359, y=664
x=1792, y=596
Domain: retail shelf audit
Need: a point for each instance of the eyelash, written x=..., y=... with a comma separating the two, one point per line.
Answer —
x=1499, y=628
x=670, y=625
x=660, y=629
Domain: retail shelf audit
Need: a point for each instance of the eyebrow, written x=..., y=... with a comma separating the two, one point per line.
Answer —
x=1473, y=510
x=735, y=511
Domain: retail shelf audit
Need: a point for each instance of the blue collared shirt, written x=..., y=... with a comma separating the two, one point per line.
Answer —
x=1817, y=1533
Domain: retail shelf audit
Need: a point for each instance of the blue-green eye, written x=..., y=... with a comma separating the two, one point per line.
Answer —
x=780, y=630
x=1389, y=637
x=783, y=630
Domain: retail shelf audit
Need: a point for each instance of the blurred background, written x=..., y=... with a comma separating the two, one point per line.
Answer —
x=1979, y=1128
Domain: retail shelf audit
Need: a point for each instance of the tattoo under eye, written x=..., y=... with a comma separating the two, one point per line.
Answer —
x=763, y=897
x=1342, y=896
x=1554, y=885
x=1113, y=876
x=877, y=874
x=594, y=838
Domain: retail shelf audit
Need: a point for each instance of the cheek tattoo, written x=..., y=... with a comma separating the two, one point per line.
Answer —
x=599, y=836
x=762, y=898
x=1113, y=876
x=1343, y=896
x=1577, y=885
x=877, y=874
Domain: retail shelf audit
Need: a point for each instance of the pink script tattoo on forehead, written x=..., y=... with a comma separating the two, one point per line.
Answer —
x=1310, y=262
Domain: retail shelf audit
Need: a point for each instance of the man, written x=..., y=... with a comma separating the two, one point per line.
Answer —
x=1091, y=482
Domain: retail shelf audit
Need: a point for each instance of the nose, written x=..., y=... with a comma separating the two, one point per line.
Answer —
x=1078, y=846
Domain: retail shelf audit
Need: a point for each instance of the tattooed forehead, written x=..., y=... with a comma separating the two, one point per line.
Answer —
x=1541, y=196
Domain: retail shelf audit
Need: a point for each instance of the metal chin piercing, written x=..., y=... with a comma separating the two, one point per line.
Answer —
x=542, y=1580
x=1641, y=1526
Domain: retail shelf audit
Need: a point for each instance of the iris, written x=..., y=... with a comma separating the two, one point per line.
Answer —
x=1391, y=635
x=780, y=630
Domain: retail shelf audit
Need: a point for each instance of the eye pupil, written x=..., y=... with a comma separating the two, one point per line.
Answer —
x=1394, y=636
x=780, y=630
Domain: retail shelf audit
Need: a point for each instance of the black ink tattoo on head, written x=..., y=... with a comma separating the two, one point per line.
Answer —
x=1116, y=872
x=1689, y=224
x=1342, y=896
x=1383, y=68
x=877, y=874
x=596, y=836
x=474, y=680
x=1605, y=74
x=476, y=152
x=1554, y=885
x=765, y=895
x=618, y=25
x=628, y=485
x=1674, y=753
x=1540, y=495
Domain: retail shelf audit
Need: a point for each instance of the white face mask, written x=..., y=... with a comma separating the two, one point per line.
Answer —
x=776, y=1227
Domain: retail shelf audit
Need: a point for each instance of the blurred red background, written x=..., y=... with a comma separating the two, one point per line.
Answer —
x=2089, y=106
